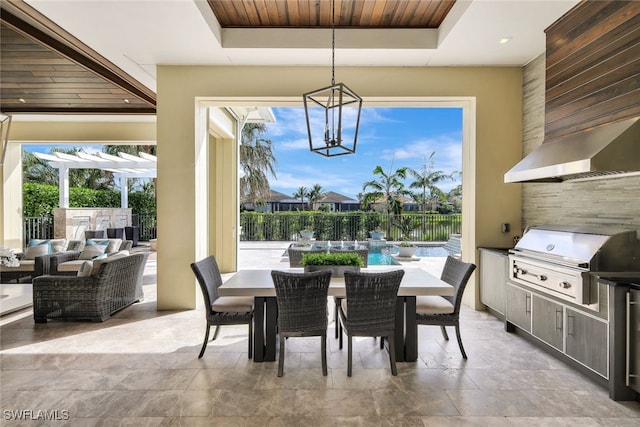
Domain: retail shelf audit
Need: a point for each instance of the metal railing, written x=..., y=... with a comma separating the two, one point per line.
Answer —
x=265, y=226
x=42, y=227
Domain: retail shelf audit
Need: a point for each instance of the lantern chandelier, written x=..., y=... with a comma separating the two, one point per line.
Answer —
x=341, y=109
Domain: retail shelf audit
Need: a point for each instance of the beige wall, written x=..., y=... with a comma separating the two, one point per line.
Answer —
x=55, y=132
x=498, y=94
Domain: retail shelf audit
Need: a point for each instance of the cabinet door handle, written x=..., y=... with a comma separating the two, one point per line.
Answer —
x=570, y=322
x=629, y=375
x=527, y=304
x=559, y=318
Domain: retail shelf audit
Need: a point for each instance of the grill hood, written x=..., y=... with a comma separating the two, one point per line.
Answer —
x=605, y=151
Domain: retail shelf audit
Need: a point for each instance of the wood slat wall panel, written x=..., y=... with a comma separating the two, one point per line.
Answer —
x=609, y=111
x=584, y=28
x=622, y=40
x=593, y=67
x=605, y=74
x=620, y=88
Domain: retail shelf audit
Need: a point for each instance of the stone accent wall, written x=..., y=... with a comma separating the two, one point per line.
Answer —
x=611, y=201
x=71, y=223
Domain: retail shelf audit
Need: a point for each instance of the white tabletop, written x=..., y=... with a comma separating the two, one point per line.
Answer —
x=259, y=283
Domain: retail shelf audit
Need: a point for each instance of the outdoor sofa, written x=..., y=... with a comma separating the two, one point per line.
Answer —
x=68, y=263
x=102, y=288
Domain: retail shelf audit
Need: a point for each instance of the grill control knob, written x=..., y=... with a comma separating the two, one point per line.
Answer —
x=565, y=285
x=543, y=277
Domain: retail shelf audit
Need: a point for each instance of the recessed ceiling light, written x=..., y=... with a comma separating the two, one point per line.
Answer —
x=126, y=101
x=22, y=100
x=504, y=40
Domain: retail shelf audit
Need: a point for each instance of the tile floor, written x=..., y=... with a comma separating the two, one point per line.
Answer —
x=140, y=368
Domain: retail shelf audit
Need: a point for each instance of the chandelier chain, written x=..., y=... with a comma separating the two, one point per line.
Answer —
x=333, y=43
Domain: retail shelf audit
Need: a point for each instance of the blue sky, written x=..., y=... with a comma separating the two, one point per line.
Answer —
x=389, y=137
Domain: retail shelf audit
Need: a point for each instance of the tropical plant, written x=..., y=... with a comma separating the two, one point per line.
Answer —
x=38, y=171
x=257, y=162
x=135, y=184
x=315, y=195
x=407, y=224
x=345, y=258
x=301, y=194
x=426, y=180
x=390, y=188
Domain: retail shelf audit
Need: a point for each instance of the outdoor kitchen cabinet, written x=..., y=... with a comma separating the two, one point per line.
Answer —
x=587, y=341
x=518, y=310
x=547, y=321
x=493, y=279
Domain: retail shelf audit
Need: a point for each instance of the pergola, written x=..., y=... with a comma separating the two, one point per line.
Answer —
x=123, y=166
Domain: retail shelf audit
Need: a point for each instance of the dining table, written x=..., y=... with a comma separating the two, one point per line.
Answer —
x=259, y=284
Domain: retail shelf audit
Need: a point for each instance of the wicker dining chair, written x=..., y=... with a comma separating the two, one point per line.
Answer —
x=302, y=309
x=364, y=255
x=369, y=309
x=445, y=311
x=221, y=310
x=295, y=256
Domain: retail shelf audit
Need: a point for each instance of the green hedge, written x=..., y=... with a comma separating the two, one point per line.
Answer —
x=40, y=199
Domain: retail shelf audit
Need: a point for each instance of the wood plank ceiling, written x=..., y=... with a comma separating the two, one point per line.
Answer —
x=45, y=70
x=317, y=13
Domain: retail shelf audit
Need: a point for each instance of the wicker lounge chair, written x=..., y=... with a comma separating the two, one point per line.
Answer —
x=221, y=310
x=445, y=311
x=116, y=285
x=302, y=309
x=370, y=309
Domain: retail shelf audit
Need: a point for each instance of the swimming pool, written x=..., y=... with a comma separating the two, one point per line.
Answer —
x=384, y=255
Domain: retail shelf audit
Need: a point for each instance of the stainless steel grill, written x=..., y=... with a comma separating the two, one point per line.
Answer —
x=560, y=260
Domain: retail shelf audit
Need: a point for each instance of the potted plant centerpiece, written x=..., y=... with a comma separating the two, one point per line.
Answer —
x=306, y=234
x=407, y=225
x=407, y=249
x=338, y=263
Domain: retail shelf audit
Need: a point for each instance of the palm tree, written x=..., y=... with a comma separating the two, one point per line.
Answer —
x=389, y=187
x=301, y=194
x=38, y=171
x=135, y=150
x=258, y=162
x=315, y=195
x=426, y=180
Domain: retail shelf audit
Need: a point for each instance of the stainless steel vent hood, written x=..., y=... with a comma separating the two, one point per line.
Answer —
x=605, y=151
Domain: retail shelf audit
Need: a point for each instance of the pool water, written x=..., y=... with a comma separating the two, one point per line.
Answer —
x=384, y=255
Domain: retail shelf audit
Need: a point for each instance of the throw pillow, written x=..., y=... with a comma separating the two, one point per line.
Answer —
x=93, y=249
x=107, y=259
x=36, y=248
x=113, y=245
x=85, y=269
x=58, y=245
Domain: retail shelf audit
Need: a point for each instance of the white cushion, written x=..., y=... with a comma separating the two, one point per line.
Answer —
x=85, y=269
x=58, y=245
x=433, y=305
x=93, y=249
x=36, y=248
x=73, y=265
x=233, y=304
x=113, y=245
x=97, y=263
